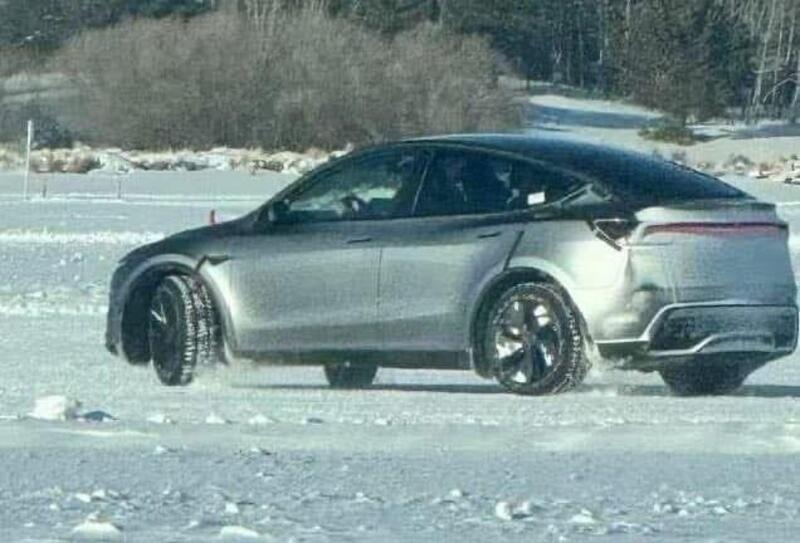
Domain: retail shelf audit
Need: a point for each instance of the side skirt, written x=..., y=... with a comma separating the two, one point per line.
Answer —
x=443, y=360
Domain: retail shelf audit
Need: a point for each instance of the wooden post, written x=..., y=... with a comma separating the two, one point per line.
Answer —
x=28, y=159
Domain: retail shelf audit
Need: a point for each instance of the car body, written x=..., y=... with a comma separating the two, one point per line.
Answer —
x=388, y=255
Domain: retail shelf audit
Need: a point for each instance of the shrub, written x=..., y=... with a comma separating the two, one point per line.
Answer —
x=670, y=132
x=305, y=79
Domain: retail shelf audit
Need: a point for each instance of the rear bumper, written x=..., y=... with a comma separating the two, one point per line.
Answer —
x=685, y=330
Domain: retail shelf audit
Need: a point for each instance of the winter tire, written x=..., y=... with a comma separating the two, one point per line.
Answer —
x=532, y=341
x=348, y=375
x=706, y=376
x=182, y=329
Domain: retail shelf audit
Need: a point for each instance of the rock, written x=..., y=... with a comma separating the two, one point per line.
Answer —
x=260, y=420
x=504, y=511
x=231, y=508
x=159, y=418
x=455, y=494
x=97, y=416
x=56, y=408
x=97, y=530
x=216, y=419
x=585, y=517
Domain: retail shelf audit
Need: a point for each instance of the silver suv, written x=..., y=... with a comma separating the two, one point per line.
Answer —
x=513, y=256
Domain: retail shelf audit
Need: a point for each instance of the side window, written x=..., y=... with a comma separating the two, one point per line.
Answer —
x=380, y=186
x=461, y=183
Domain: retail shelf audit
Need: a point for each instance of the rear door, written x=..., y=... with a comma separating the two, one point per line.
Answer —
x=433, y=263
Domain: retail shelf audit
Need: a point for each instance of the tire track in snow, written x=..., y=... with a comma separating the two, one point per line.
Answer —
x=47, y=237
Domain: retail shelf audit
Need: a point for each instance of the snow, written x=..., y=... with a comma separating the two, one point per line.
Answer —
x=422, y=456
x=97, y=530
x=768, y=145
x=238, y=533
x=82, y=159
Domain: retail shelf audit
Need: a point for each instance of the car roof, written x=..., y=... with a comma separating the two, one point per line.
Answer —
x=550, y=148
x=638, y=175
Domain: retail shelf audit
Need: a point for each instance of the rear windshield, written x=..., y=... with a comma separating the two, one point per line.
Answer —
x=650, y=180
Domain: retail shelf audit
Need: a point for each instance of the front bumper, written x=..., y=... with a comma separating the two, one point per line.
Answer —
x=686, y=330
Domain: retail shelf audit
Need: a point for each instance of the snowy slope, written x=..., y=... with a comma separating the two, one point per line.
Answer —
x=619, y=123
x=273, y=454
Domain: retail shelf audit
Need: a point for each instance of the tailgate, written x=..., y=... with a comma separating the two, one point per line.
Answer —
x=721, y=251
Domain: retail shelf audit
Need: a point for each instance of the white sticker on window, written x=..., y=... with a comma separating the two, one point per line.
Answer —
x=536, y=198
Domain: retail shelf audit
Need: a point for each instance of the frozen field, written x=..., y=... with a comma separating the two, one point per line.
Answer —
x=422, y=456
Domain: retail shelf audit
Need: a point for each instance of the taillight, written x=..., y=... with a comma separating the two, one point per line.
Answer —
x=717, y=229
x=615, y=232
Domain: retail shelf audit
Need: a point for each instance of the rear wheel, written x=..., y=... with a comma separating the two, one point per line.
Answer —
x=706, y=376
x=531, y=340
x=348, y=375
x=182, y=329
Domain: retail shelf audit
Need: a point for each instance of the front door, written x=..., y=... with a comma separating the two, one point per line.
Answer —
x=309, y=282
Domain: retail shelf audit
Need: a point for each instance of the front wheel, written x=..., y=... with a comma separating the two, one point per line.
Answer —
x=706, y=376
x=182, y=329
x=348, y=375
x=532, y=341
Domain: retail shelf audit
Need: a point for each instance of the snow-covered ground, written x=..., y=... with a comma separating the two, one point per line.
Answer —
x=272, y=453
x=619, y=123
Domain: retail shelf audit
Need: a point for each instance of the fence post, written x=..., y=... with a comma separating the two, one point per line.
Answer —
x=28, y=159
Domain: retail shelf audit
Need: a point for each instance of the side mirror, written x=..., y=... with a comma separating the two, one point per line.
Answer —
x=274, y=213
x=278, y=212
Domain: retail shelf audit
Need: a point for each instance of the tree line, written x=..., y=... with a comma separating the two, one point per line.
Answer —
x=692, y=58
x=695, y=59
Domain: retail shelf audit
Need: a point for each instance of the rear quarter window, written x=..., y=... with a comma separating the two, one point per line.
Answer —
x=651, y=180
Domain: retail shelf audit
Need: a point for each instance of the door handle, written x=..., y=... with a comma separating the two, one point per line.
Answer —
x=487, y=235
x=354, y=241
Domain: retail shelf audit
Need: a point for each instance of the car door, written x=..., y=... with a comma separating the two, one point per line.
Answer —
x=308, y=282
x=460, y=235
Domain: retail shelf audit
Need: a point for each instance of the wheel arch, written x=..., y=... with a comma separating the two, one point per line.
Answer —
x=139, y=291
x=509, y=277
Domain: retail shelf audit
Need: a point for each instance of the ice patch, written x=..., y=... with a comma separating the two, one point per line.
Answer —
x=56, y=408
